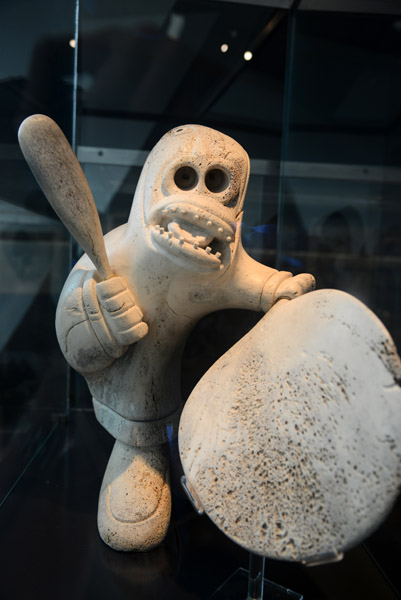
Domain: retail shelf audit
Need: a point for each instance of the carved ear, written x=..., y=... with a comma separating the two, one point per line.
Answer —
x=292, y=440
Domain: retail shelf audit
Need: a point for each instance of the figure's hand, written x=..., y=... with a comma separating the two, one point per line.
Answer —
x=295, y=286
x=283, y=285
x=122, y=315
x=111, y=303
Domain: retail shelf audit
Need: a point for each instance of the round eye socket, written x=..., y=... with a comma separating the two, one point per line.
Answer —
x=216, y=180
x=186, y=178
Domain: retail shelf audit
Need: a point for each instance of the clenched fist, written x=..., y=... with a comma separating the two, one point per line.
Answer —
x=113, y=302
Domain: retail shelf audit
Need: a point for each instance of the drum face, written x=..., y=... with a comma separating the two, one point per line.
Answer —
x=292, y=440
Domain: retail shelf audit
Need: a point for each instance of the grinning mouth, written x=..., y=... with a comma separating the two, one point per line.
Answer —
x=193, y=233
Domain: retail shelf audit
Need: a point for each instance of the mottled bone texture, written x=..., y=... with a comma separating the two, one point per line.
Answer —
x=178, y=258
x=292, y=440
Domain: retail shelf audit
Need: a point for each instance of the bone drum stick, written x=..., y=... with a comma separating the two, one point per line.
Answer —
x=60, y=176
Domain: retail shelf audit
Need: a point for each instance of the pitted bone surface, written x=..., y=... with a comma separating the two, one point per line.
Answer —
x=292, y=440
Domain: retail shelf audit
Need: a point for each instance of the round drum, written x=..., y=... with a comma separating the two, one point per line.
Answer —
x=292, y=439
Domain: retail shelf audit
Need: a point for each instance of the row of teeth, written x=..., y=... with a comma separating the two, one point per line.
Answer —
x=182, y=211
x=195, y=245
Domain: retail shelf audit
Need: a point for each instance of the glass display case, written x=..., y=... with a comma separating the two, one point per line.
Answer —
x=34, y=246
x=312, y=91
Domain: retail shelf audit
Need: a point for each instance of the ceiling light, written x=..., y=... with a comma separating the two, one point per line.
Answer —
x=248, y=55
x=224, y=47
x=72, y=43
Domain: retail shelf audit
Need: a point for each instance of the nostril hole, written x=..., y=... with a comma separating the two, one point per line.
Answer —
x=216, y=180
x=186, y=178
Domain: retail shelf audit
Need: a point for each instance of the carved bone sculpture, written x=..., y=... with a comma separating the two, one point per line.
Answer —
x=178, y=258
x=299, y=458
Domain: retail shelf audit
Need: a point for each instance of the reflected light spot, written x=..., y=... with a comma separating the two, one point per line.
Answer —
x=248, y=55
x=72, y=43
x=224, y=47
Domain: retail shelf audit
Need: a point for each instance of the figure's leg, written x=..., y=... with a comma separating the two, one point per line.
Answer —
x=135, y=500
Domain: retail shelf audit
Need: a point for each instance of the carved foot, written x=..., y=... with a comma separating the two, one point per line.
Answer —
x=135, y=501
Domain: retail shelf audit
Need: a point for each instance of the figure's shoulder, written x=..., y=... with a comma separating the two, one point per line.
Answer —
x=115, y=236
x=112, y=240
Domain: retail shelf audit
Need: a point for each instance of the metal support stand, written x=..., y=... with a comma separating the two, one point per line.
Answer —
x=251, y=585
x=256, y=577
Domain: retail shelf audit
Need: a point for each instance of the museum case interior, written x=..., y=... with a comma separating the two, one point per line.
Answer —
x=312, y=91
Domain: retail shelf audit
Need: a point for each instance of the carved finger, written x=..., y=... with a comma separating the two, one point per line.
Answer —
x=132, y=335
x=123, y=321
x=118, y=304
x=296, y=286
x=111, y=287
x=306, y=282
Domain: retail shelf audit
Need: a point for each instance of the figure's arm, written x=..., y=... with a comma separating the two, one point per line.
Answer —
x=258, y=287
x=96, y=320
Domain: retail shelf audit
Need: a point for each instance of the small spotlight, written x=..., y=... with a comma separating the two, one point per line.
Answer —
x=248, y=55
x=224, y=47
x=72, y=43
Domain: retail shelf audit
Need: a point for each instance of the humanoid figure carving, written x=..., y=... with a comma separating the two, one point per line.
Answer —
x=178, y=258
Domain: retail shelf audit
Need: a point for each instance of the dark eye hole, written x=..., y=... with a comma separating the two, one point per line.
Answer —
x=216, y=180
x=186, y=178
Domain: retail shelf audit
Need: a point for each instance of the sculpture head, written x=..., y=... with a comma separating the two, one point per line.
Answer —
x=190, y=195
